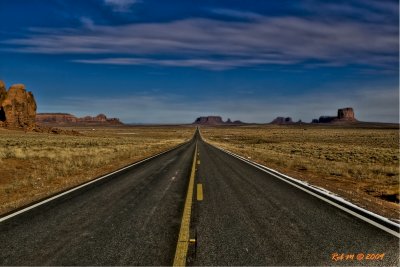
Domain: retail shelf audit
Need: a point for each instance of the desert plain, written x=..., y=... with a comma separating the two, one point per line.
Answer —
x=357, y=162
x=36, y=165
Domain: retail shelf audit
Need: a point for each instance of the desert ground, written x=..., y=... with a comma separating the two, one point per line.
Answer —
x=36, y=165
x=359, y=163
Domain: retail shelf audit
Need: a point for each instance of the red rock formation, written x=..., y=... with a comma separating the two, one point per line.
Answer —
x=55, y=118
x=3, y=91
x=326, y=119
x=343, y=115
x=17, y=107
x=114, y=121
x=3, y=94
x=215, y=120
x=209, y=120
x=346, y=114
x=99, y=118
x=65, y=118
x=282, y=120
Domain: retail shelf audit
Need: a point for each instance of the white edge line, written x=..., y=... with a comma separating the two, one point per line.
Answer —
x=86, y=184
x=324, y=192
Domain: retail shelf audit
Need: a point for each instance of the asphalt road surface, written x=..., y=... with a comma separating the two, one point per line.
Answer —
x=248, y=217
x=245, y=217
x=130, y=219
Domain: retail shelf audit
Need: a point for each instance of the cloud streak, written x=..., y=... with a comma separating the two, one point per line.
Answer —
x=120, y=5
x=216, y=44
x=236, y=14
x=210, y=64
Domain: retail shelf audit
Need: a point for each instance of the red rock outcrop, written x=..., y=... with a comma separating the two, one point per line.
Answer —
x=3, y=91
x=326, y=119
x=55, y=118
x=3, y=94
x=101, y=118
x=282, y=120
x=209, y=120
x=17, y=107
x=66, y=118
x=214, y=120
x=346, y=114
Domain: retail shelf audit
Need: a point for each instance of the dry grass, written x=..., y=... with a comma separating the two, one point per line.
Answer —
x=360, y=164
x=35, y=165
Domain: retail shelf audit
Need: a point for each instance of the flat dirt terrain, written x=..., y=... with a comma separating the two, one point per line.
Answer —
x=36, y=165
x=358, y=163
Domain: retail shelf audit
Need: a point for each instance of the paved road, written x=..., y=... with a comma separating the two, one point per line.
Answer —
x=246, y=217
x=130, y=219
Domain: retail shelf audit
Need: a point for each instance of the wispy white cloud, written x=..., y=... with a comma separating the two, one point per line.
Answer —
x=236, y=13
x=87, y=22
x=365, y=10
x=121, y=5
x=218, y=44
x=387, y=7
x=211, y=64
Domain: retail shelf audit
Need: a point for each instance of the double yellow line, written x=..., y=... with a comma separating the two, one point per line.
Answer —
x=184, y=233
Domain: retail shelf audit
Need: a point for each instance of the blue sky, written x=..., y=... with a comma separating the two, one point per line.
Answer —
x=171, y=61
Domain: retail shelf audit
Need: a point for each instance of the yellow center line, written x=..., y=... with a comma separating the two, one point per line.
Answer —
x=199, y=192
x=184, y=239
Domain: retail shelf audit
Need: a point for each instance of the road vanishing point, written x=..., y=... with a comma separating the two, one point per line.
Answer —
x=193, y=205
